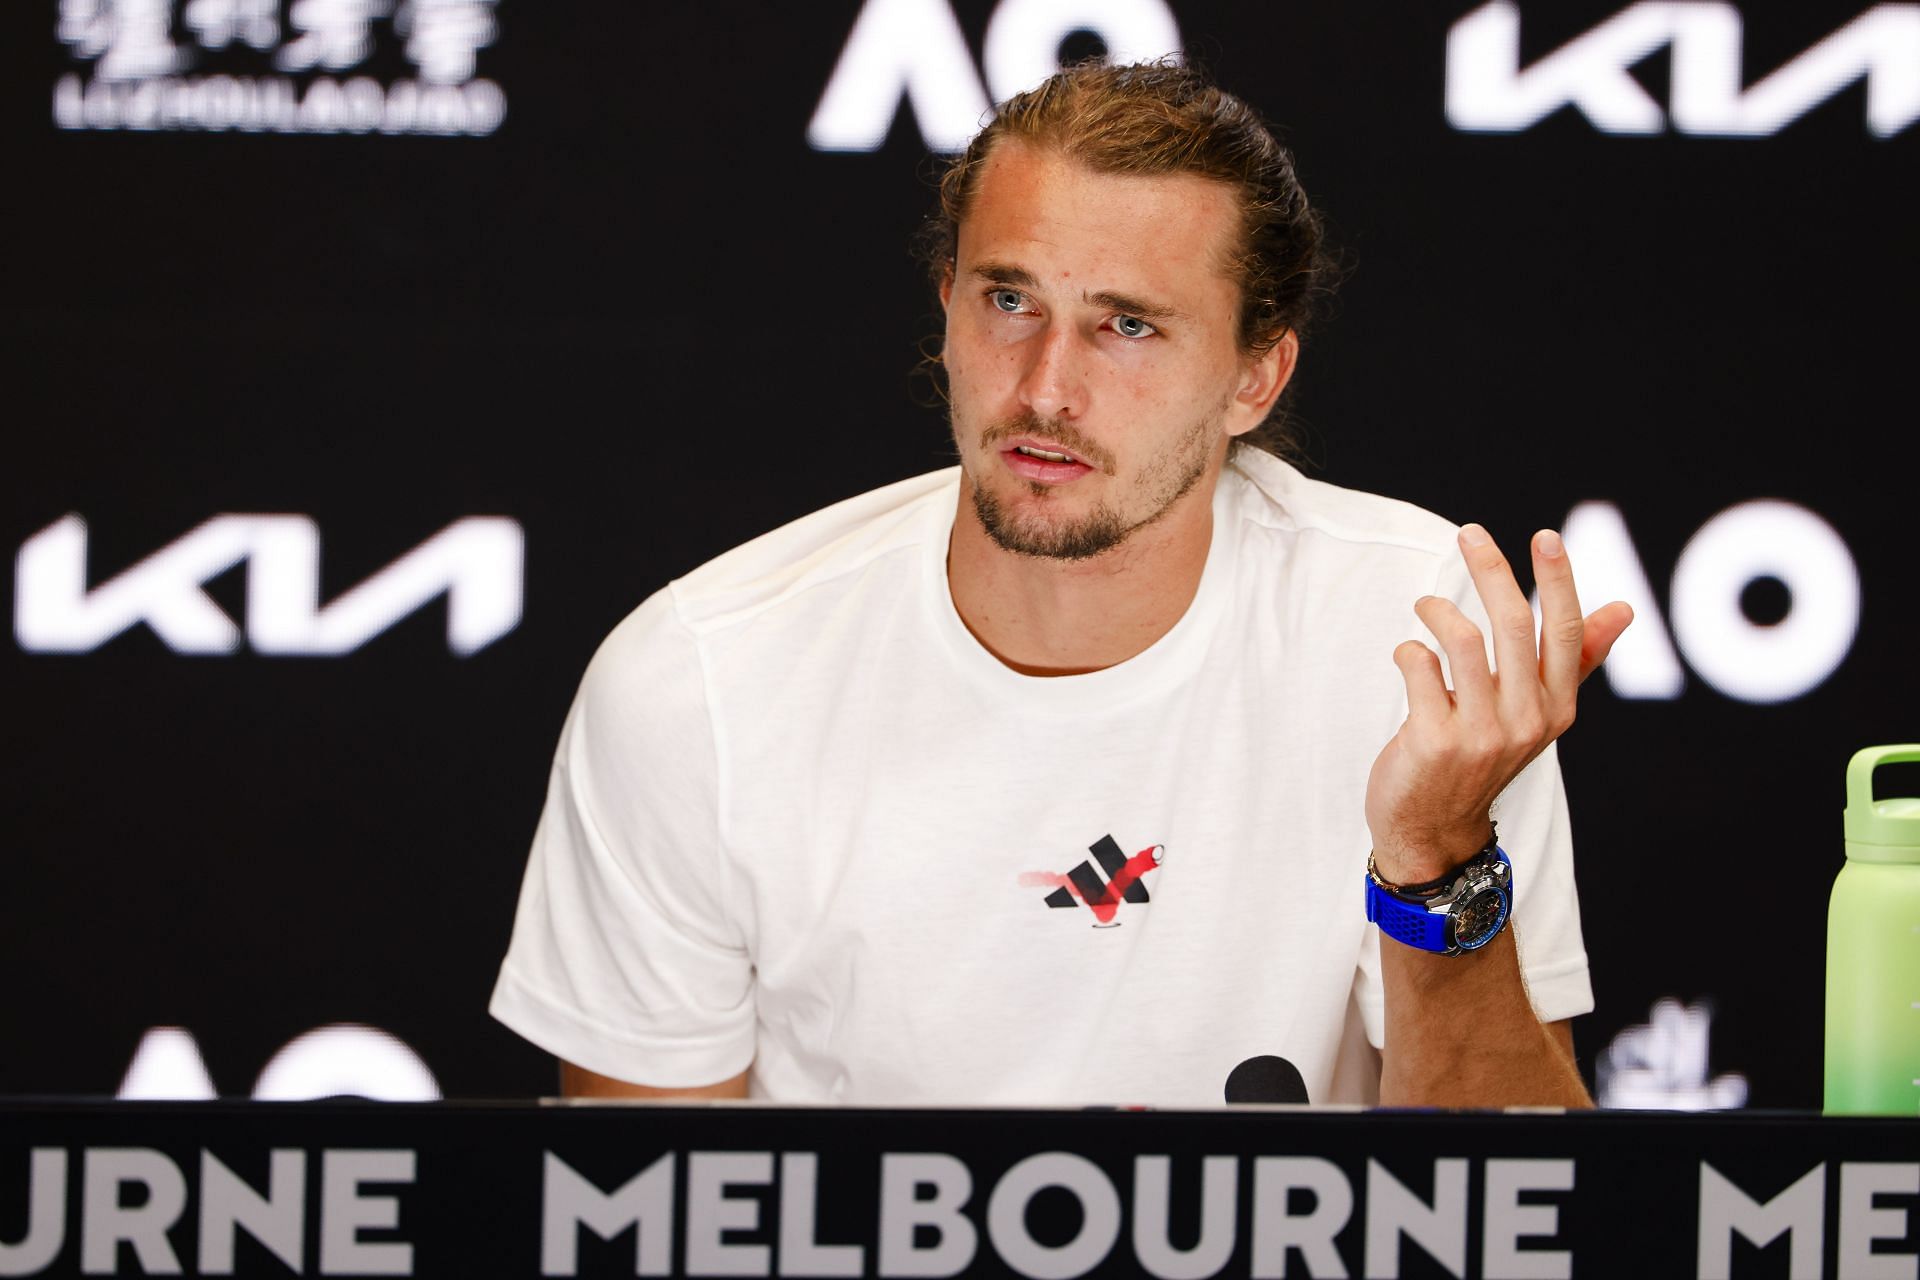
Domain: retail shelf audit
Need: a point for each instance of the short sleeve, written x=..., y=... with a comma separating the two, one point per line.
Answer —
x=1535, y=833
x=624, y=959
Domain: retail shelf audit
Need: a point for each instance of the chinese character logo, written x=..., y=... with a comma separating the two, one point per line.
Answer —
x=252, y=66
x=1662, y=1065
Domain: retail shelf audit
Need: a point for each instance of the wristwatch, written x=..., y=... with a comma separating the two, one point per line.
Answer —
x=1462, y=911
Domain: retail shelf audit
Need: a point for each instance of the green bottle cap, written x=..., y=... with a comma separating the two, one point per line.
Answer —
x=1881, y=830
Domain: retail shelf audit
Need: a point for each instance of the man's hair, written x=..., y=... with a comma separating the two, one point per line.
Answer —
x=1158, y=118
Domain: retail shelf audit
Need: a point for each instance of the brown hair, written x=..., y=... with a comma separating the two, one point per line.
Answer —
x=1167, y=118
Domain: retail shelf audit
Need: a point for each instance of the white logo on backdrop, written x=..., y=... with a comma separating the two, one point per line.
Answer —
x=213, y=72
x=477, y=563
x=913, y=50
x=344, y=1059
x=1752, y=661
x=1489, y=91
x=1662, y=1066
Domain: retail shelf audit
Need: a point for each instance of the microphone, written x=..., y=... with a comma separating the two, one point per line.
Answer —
x=1266, y=1079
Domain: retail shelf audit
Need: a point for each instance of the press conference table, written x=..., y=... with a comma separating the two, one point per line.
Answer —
x=508, y=1189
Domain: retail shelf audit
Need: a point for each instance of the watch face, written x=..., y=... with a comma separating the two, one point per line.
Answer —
x=1476, y=920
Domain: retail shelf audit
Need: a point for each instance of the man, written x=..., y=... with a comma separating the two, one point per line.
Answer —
x=826, y=815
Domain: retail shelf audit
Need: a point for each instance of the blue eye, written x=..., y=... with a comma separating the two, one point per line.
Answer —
x=1131, y=327
x=1011, y=301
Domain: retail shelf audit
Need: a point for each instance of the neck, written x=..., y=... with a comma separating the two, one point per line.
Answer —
x=1047, y=617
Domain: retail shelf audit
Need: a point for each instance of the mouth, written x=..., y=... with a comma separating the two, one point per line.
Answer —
x=1044, y=461
x=1047, y=448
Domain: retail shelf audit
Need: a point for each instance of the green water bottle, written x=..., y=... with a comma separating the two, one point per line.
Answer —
x=1873, y=950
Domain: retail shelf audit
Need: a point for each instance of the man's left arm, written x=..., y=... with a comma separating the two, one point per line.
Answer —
x=1461, y=1030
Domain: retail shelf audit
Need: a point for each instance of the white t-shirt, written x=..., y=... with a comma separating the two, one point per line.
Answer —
x=800, y=819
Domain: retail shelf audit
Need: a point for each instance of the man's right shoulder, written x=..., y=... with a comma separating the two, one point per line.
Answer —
x=816, y=550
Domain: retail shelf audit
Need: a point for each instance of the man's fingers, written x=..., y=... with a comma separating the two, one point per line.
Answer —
x=1427, y=696
x=1603, y=626
x=1508, y=612
x=1466, y=655
x=1562, y=632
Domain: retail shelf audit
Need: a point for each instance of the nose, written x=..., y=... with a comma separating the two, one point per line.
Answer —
x=1054, y=384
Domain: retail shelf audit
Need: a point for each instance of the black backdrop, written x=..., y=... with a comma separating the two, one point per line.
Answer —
x=644, y=320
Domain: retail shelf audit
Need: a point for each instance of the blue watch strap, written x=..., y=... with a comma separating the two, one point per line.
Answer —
x=1404, y=922
x=1410, y=922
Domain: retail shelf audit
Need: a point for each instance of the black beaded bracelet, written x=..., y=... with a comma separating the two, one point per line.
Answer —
x=1431, y=888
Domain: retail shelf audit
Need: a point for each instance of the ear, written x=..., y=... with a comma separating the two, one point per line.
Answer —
x=946, y=287
x=1262, y=379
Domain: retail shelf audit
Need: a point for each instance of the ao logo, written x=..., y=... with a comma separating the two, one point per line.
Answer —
x=915, y=49
x=476, y=563
x=342, y=1059
x=1741, y=658
x=1487, y=90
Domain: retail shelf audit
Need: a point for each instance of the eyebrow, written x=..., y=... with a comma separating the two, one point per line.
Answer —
x=1106, y=299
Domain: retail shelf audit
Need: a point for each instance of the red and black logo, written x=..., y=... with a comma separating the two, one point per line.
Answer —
x=1084, y=885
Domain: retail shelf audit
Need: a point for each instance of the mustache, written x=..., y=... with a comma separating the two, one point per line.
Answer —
x=1062, y=433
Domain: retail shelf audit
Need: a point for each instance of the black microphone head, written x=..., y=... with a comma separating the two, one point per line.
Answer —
x=1266, y=1079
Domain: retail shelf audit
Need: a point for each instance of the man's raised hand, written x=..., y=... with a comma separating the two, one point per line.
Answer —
x=1432, y=786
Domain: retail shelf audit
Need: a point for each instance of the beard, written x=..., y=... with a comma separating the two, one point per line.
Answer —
x=1033, y=529
x=1099, y=530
